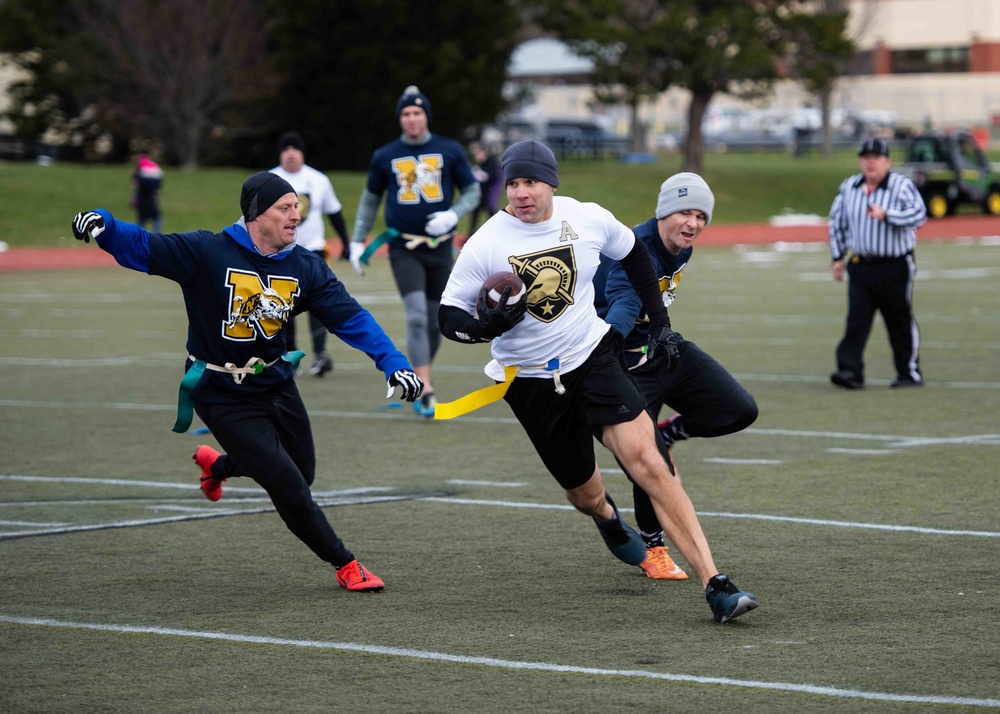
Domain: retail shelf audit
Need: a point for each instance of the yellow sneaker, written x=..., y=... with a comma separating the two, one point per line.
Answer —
x=660, y=566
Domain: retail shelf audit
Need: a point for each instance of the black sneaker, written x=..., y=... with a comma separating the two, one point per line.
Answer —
x=621, y=539
x=903, y=383
x=322, y=365
x=726, y=600
x=847, y=380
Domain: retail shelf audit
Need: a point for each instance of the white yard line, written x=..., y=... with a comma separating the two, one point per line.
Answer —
x=495, y=663
x=357, y=497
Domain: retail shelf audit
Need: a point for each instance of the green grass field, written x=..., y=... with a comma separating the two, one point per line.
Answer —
x=866, y=522
x=40, y=201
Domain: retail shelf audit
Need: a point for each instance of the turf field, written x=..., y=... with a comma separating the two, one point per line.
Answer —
x=866, y=522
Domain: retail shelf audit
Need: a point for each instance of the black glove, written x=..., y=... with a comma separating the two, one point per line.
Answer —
x=408, y=381
x=664, y=344
x=497, y=320
x=87, y=225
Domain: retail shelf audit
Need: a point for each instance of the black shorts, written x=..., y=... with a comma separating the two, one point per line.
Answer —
x=421, y=269
x=562, y=427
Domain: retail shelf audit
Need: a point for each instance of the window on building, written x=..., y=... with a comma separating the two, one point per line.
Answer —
x=934, y=59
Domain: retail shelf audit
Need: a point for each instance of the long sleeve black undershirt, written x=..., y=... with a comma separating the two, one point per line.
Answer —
x=640, y=271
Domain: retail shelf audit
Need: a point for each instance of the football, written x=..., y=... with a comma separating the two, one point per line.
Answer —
x=496, y=283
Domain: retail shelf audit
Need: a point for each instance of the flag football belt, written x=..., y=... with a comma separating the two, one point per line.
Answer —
x=412, y=241
x=638, y=350
x=488, y=395
x=254, y=365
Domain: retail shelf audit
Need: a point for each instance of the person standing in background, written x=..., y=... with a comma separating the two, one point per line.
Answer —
x=873, y=232
x=419, y=173
x=316, y=198
x=486, y=169
x=146, y=183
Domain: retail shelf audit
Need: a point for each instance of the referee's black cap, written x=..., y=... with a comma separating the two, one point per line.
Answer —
x=874, y=145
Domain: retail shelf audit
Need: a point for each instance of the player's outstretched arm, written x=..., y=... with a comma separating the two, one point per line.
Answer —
x=87, y=225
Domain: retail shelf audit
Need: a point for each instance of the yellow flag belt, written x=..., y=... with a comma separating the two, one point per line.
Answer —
x=475, y=400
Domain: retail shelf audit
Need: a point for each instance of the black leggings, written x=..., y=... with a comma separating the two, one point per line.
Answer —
x=269, y=439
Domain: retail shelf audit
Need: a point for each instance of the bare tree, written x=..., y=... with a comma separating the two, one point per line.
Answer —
x=177, y=71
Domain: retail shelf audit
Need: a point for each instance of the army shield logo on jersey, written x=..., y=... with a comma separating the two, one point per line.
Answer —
x=550, y=277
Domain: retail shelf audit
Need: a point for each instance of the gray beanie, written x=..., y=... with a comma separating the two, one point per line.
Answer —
x=685, y=192
x=530, y=159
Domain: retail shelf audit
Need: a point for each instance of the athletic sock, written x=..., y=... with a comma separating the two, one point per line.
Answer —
x=674, y=431
x=652, y=540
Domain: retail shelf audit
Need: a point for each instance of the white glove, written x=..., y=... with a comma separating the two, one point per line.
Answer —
x=357, y=249
x=409, y=383
x=441, y=222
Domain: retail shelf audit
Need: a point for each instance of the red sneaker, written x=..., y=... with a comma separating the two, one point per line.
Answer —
x=205, y=456
x=354, y=576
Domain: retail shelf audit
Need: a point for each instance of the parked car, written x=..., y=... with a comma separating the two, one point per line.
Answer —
x=582, y=139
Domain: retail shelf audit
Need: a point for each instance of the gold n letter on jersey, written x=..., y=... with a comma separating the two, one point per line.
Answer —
x=419, y=177
x=255, y=308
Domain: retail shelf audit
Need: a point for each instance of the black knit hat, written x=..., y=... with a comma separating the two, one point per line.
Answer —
x=874, y=145
x=530, y=159
x=413, y=97
x=291, y=138
x=260, y=191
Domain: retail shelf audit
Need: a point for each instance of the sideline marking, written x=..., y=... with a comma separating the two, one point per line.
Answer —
x=722, y=514
x=723, y=460
x=185, y=486
x=864, y=452
x=498, y=484
x=409, y=653
x=337, y=498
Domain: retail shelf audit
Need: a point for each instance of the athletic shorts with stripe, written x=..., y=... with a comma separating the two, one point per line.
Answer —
x=562, y=427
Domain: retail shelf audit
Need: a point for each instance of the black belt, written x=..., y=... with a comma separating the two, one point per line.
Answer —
x=876, y=258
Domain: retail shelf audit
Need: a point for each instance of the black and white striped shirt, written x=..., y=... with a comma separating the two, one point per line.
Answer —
x=851, y=229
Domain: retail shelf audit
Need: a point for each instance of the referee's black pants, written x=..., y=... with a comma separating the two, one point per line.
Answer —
x=885, y=285
x=269, y=439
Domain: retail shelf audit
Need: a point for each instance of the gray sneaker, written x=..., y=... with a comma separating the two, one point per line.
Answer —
x=321, y=365
x=621, y=539
x=726, y=600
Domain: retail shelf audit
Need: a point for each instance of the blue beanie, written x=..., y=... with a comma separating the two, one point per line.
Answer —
x=412, y=97
x=530, y=159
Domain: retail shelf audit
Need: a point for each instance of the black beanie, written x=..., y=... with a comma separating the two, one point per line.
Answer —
x=412, y=97
x=291, y=138
x=260, y=191
x=530, y=159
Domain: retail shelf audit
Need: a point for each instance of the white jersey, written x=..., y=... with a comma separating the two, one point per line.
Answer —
x=316, y=199
x=557, y=260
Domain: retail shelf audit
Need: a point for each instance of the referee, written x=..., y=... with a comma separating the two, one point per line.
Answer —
x=872, y=227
